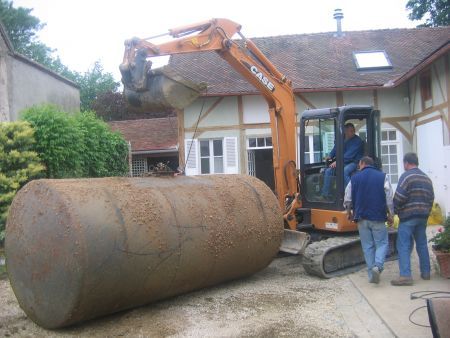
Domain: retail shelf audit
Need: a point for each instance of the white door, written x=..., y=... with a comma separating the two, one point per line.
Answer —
x=446, y=205
x=430, y=149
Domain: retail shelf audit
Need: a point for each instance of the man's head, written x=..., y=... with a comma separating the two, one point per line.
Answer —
x=410, y=160
x=365, y=161
x=349, y=130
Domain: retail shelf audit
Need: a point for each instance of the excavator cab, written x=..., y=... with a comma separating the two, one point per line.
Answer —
x=320, y=131
x=335, y=249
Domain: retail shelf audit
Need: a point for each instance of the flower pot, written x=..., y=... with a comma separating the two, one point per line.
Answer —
x=443, y=259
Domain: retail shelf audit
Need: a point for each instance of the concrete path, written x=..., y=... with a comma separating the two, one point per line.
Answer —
x=394, y=305
x=359, y=316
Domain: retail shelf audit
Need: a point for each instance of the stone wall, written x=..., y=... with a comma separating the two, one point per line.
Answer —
x=31, y=84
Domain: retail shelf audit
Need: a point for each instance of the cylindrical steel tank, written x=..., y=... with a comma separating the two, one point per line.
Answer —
x=79, y=249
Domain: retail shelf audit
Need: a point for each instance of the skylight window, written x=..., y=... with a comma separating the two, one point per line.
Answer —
x=372, y=60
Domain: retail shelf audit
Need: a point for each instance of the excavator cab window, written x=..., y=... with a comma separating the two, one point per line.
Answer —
x=319, y=142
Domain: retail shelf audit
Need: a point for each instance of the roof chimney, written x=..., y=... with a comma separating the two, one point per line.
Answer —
x=338, y=15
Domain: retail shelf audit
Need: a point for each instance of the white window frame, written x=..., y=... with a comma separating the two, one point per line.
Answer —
x=310, y=151
x=229, y=154
x=211, y=156
x=397, y=142
x=372, y=60
x=251, y=165
x=267, y=144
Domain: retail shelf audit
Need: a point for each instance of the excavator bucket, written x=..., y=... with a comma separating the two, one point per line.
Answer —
x=294, y=242
x=165, y=90
x=159, y=89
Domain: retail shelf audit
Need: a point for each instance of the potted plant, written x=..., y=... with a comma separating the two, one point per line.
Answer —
x=441, y=248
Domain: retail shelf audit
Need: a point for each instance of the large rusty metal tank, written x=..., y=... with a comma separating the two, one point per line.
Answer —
x=79, y=249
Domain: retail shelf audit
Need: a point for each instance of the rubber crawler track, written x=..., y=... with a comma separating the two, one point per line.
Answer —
x=315, y=254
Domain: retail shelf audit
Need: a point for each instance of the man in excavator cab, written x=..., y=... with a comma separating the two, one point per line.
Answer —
x=353, y=152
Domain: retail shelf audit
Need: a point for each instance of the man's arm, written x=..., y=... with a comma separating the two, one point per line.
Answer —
x=389, y=200
x=348, y=200
x=401, y=194
x=332, y=152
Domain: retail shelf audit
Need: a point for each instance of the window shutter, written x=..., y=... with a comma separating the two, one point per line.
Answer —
x=231, y=155
x=190, y=156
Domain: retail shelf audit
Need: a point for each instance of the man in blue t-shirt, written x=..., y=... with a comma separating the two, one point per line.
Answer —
x=353, y=152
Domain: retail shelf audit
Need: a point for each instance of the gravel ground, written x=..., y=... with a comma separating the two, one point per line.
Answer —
x=281, y=300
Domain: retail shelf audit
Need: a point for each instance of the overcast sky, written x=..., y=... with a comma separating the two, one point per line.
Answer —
x=84, y=31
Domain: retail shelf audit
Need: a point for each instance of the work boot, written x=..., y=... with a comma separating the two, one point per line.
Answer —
x=425, y=276
x=375, y=275
x=402, y=281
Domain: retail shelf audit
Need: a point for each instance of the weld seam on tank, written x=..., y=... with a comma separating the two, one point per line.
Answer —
x=179, y=238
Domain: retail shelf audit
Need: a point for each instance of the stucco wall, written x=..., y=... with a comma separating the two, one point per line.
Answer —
x=4, y=103
x=431, y=129
x=211, y=114
x=29, y=85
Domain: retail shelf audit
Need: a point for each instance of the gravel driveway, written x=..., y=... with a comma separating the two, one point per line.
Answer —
x=281, y=300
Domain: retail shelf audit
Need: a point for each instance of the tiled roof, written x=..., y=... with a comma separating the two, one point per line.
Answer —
x=149, y=134
x=320, y=61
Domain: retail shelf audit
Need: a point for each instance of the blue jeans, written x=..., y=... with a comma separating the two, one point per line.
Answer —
x=330, y=172
x=414, y=228
x=374, y=242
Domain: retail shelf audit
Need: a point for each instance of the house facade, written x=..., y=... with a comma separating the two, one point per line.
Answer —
x=24, y=83
x=402, y=72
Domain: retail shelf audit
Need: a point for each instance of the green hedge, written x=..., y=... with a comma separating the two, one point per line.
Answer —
x=104, y=153
x=18, y=163
x=79, y=145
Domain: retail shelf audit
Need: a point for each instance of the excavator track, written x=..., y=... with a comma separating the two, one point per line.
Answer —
x=338, y=256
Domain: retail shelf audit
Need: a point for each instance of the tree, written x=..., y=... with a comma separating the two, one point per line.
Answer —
x=436, y=12
x=93, y=83
x=22, y=29
x=18, y=163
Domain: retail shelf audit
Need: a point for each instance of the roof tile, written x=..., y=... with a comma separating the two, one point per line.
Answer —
x=149, y=134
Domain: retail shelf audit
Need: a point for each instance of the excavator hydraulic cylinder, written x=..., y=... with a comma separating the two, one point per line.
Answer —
x=77, y=249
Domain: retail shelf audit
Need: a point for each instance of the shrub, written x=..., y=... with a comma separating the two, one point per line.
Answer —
x=104, y=152
x=79, y=145
x=18, y=163
x=442, y=238
x=59, y=142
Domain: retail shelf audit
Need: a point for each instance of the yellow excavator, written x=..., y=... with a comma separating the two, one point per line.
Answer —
x=335, y=248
